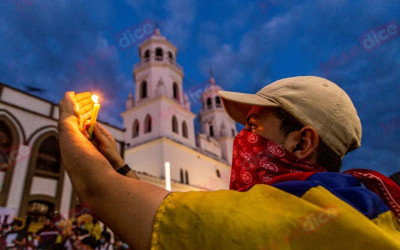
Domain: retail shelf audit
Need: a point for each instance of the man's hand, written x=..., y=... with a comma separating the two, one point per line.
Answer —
x=76, y=108
x=107, y=146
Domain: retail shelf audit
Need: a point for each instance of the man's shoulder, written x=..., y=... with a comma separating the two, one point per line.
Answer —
x=269, y=214
x=341, y=185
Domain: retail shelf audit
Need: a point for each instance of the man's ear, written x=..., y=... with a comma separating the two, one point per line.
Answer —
x=305, y=142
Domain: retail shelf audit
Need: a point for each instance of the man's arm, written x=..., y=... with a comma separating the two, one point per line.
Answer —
x=126, y=205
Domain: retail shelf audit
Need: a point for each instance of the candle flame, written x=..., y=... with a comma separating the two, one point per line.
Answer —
x=95, y=98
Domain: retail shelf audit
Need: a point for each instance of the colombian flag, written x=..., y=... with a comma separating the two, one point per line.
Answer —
x=322, y=211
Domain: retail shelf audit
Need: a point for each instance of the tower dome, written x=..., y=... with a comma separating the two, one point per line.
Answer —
x=210, y=97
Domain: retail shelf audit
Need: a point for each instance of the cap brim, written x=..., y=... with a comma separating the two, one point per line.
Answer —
x=238, y=105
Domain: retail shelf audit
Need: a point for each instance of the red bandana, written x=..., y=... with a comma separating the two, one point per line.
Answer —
x=257, y=160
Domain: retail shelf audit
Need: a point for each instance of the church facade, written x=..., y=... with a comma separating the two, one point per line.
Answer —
x=158, y=128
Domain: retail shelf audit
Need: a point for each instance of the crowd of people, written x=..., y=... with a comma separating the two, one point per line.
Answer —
x=79, y=232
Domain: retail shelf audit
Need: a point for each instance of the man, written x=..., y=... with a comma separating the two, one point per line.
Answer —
x=105, y=242
x=48, y=234
x=11, y=236
x=296, y=129
x=21, y=240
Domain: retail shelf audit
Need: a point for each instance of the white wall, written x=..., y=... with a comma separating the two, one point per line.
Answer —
x=43, y=186
x=161, y=110
x=209, y=144
x=150, y=158
x=146, y=158
x=22, y=100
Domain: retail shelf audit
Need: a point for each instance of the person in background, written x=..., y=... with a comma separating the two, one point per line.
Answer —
x=3, y=242
x=47, y=234
x=30, y=242
x=88, y=243
x=120, y=245
x=59, y=223
x=12, y=234
x=21, y=241
x=105, y=242
x=71, y=241
x=94, y=228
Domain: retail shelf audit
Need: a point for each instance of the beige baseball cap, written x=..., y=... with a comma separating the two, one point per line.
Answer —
x=313, y=101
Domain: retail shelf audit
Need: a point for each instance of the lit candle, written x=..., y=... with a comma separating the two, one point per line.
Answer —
x=95, y=112
x=167, y=176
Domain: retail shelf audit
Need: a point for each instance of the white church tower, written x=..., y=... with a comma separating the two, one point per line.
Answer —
x=159, y=126
x=218, y=130
x=158, y=108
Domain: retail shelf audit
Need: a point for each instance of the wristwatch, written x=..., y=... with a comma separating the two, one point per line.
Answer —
x=124, y=170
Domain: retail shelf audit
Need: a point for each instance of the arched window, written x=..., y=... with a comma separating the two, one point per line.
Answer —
x=135, y=129
x=176, y=91
x=49, y=158
x=209, y=103
x=211, y=129
x=143, y=90
x=187, y=177
x=147, y=55
x=218, y=102
x=9, y=140
x=181, y=175
x=174, y=124
x=45, y=168
x=171, y=56
x=184, y=129
x=5, y=145
x=218, y=173
x=159, y=54
x=147, y=124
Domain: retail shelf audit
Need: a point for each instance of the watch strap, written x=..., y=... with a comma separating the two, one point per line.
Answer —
x=124, y=170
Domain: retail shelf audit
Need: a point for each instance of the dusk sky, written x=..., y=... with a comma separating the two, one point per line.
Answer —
x=249, y=44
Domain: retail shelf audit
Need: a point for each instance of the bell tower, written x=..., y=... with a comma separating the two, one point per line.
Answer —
x=158, y=108
x=215, y=122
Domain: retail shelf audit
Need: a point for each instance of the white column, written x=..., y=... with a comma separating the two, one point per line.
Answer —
x=18, y=178
x=167, y=176
x=66, y=196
